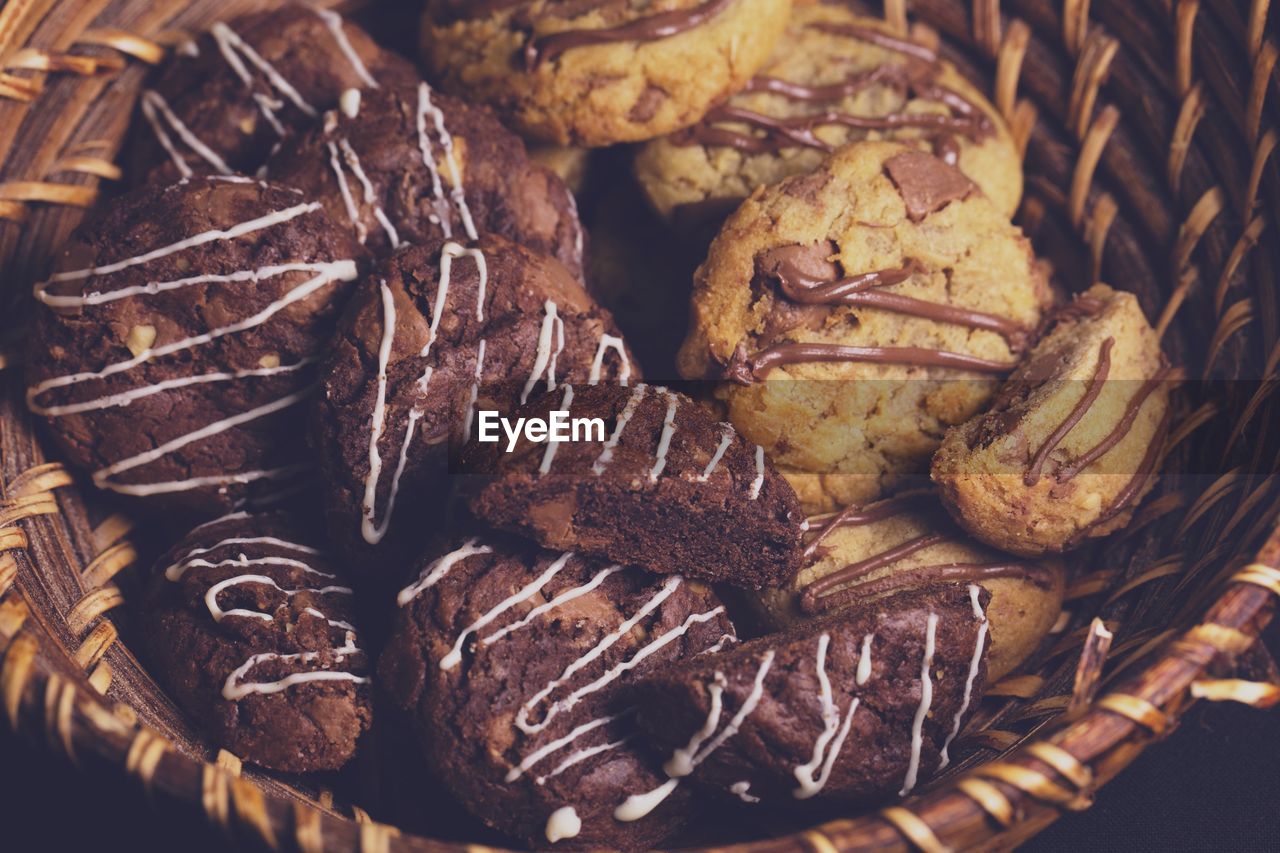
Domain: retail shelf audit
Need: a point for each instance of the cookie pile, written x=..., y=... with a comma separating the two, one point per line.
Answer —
x=784, y=586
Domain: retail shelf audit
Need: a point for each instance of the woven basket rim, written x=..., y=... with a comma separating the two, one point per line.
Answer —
x=53, y=670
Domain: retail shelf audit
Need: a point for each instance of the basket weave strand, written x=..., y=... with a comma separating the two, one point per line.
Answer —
x=1150, y=131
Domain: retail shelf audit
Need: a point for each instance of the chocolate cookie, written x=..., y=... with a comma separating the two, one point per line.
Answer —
x=249, y=628
x=603, y=71
x=408, y=165
x=512, y=660
x=436, y=333
x=848, y=709
x=833, y=78
x=1073, y=441
x=659, y=484
x=857, y=312
x=178, y=335
x=864, y=553
x=226, y=99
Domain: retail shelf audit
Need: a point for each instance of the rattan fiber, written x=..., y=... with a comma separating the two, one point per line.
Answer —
x=1149, y=129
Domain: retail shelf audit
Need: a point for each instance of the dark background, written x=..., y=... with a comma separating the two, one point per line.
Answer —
x=1214, y=784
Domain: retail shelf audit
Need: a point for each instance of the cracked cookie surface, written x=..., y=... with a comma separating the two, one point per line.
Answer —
x=603, y=71
x=833, y=78
x=857, y=312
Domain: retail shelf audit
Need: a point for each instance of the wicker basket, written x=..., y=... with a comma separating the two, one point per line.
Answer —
x=1149, y=147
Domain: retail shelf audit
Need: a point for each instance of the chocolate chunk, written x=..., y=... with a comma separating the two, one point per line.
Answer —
x=926, y=183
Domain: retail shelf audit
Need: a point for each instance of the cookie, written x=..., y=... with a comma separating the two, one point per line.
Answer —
x=434, y=334
x=224, y=100
x=846, y=710
x=512, y=662
x=408, y=165
x=660, y=484
x=834, y=78
x=601, y=72
x=176, y=340
x=864, y=553
x=570, y=164
x=1073, y=442
x=249, y=626
x=856, y=312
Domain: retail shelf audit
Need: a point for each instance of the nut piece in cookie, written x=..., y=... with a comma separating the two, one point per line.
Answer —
x=866, y=552
x=226, y=99
x=660, y=484
x=175, y=345
x=1073, y=441
x=847, y=709
x=834, y=78
x=410, y=165
x=250, y=629
x=857, y=312
x=436, y=333
x=512, y=662
x=598, y=73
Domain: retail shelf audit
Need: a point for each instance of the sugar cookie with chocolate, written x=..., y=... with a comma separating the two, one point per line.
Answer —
x=513, y=663
x=856, y=312
x=598, y=73
x=174, y=347
x=866, y=552
x=834, y=78
x=1073, y=441
x=409, y=165
x=225, y=100
x=436, y=333
x=660, y=484
x=250, y=628
x=846, y=710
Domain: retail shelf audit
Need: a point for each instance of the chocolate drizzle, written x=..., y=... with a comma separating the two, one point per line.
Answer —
x=540, y=49
x=1077, y=412
x=1132, y=488
x=915, y=78
x=863, y=290
x=746, y=369
x=1121, y=429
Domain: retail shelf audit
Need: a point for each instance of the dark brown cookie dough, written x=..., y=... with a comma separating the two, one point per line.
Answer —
x=662, y=485
x=1073, y=442
x=175, y=344
x=849, y=709
x=511, y=662
x=406, y=164
x=249, y=627
x=434, y=334
x=226, y=99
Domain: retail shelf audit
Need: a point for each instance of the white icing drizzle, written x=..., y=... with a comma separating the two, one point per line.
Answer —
x=926, y=700
x=726, y=439
x=563, y=823
x=369, y=529
x=157, y=112
x=606, y=454
x=454, y=657
x=233, y=48
x=218, y=614
x=191, y=559
x=864, y=661
x=975, y=663
x=333, y=21
x=578, y=756
x=725, y=639
x=475, y=390
x=681, y=762
x=579, y=237
x=532, y=759
x=438, y=568
x=344, y=190
x=664, y=441
x=615, y=343
x=811, y=778
x=653, y=603
x=349, y=103
x=233, y=689
x=544, y=361
x=189, y=49
x=549, y=455
x=456, y=191
x=759, y=480
x=740, y=789
x=563, y=598
x=352, y=161
x=637, y=806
